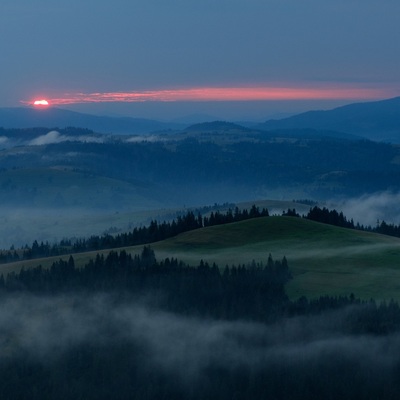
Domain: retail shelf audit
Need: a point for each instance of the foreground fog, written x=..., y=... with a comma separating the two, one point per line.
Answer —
x=184, y=350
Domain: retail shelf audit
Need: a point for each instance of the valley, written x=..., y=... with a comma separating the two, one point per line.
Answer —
x=52, y=179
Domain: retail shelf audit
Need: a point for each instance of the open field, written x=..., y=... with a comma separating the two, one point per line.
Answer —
x=323, y=259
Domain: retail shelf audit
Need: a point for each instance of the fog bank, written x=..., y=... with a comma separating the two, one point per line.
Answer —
x=184, y=349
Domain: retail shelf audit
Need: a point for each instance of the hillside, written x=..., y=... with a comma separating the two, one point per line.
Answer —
x=323, y=259
x=377, y=120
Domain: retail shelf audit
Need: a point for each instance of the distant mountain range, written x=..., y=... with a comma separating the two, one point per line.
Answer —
x=26, y=117
x=377, y=120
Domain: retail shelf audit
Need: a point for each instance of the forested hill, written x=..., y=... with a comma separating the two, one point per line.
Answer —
x=217, y=127
x=199, y=170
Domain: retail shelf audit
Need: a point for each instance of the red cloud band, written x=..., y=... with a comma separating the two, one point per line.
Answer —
x=221, y=94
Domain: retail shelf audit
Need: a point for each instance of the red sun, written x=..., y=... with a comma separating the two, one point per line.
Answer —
x=41, y=103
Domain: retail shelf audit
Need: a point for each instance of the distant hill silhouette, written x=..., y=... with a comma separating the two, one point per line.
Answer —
x=25, y=117
x=219, y=126
x=308, y=133
x=377, y=120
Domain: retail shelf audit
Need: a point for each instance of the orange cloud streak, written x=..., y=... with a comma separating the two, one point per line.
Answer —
x=221, y=94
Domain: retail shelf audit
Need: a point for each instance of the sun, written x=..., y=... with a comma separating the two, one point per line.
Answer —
x=41, y=103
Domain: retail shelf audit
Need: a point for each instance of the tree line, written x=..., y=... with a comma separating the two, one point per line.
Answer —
x=157, y=231
x=251, y=291
x=154, y=232
x=336, y=218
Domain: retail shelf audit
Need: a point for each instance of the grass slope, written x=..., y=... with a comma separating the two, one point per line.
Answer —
x=323, y=259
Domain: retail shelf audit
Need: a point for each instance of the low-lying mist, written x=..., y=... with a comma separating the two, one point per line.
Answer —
x=56, y=137
x=24, y=225
x=192, y=357
x=20, y=226
x=368, y=209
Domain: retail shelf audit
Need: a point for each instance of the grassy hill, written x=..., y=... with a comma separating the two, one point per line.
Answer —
x=29, y=209
x=323, y=259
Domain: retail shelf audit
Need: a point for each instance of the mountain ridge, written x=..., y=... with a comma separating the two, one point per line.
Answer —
x=375, y=120
x=26, y=117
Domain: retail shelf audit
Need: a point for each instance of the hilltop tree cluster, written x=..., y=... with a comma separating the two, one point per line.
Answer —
x=331, y=217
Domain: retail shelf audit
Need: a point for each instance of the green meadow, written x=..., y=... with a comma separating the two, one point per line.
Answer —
x=324, y=259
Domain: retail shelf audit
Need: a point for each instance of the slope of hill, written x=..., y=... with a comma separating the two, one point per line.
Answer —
x=324, y=259
x=377, y=120
x=24, y=117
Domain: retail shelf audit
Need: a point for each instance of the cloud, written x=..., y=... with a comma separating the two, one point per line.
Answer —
x=239, y=93
x=49, y=138
x=55, y=137
x=145, y=138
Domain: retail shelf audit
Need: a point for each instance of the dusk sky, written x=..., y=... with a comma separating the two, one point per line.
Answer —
x=228, y=58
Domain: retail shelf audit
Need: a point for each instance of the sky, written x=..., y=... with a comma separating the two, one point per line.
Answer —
x=170, y=58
